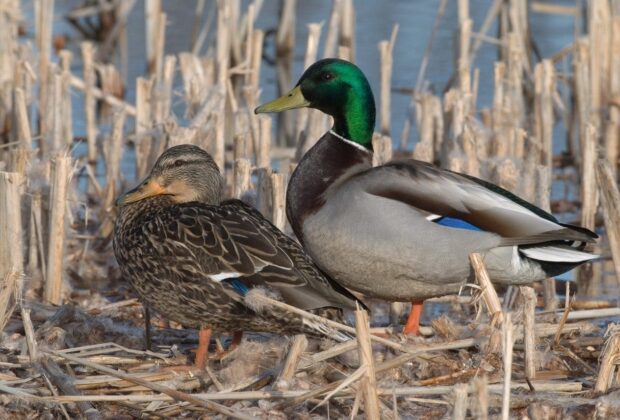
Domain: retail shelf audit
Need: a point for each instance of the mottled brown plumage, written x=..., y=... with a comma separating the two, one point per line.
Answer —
x=194, y=259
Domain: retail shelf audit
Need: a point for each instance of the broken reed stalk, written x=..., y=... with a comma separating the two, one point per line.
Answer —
x=589, y=199
x=312, y=49
x=382, y=147
x=66, y=385
x=610, y=201
x=489, y=295
x=611, y=351
x=543, y=199
x=152, y=13
x=108, y=98
x=298, y=346
x=263, y=154
x=386, y=50
x=481, y=409
x=22, y=124
x=44, y=15
x=529, y=328
x=507, y=344
x=367, y=361
x=144, y=122
x=278, y=203
x=264, y=196
x=88, y=57
x=567, y=307
x=11, y=257
x=177, y=395
x=113, y=158
x=31, y=343
x=242, y=177
x=460, y=402
x=66, y=111
x=61, y=173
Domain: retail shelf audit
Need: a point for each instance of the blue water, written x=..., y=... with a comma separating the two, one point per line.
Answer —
x=374, y=22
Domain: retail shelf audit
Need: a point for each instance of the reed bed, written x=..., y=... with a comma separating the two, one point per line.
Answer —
x=72, y=331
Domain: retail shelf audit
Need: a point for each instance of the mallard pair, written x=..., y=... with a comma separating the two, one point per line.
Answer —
x=403, y=231
x=195, y=258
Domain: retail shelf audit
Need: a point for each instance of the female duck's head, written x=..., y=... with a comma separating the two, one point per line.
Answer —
x=184, y=173
x=337, y=88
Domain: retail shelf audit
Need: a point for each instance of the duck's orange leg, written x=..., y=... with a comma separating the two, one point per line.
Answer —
x=412, y=327
x=204, y=336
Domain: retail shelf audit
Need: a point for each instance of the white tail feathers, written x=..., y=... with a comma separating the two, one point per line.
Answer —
x=559, y=254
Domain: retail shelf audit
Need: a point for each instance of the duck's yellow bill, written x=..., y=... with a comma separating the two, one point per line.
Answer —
x=146, y=189
x=293, y=99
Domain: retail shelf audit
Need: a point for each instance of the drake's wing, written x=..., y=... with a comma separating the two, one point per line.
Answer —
x=479, y=203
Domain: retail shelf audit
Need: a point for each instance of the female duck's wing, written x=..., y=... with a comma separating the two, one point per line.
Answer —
x=229, y=245
x=305, y=285
x=481, y=204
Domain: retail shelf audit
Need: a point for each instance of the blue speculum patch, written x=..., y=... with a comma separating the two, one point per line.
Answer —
x=238, y=285
x=456, y=223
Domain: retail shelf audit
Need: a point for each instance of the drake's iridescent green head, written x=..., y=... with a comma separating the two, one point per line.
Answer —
x=337, y=88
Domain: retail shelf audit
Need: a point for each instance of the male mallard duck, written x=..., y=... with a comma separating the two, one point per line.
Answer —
x=194, y=258
x=403, y=231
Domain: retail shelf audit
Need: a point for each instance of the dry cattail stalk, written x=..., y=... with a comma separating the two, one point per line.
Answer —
x=278, y=190
x=489, y=295
x=610, y=201
x=367, y=362
x=298, y=346
x=33, y=350
x=11, y=258
x=44, y=16
x=543, y=110
x=529, y=328
x=481, y=408
x=144, y=121
x=163, y=99
x=427, y=124
x=21, y=120
x=386, y=49
x=89, y=100
x=460, y=402
x=312, y=48
x=507, y=344
x=589, y=201
x=114, y=153
x=263, y=154
x=61, y=174
x=264, y=195
x=66, y=128
x=242, y=180
x=610, y=353
x=382, y=146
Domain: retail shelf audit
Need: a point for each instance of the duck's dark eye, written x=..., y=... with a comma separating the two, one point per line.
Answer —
x=178, y=163
x=327, y=76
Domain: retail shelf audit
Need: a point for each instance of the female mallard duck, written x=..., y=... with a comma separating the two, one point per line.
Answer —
x=403, y=231
x=194, y=258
